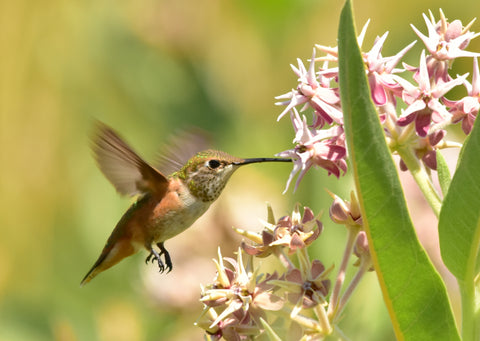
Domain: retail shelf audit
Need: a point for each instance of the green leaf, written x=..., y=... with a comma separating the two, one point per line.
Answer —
x=459, y=230
x=443, y=172
x=459, y=225
x=413, y=291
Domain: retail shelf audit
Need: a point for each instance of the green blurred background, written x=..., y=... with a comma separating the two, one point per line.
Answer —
x=148, y=68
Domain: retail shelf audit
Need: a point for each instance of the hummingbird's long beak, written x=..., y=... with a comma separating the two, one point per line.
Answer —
x=261, y=159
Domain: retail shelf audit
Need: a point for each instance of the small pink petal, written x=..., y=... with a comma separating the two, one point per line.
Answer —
x=436, y=137
x=294, y=276
x=268, y=301
x=475, y=79
x=424, y=79
x=430, y=159
x=307, y=215
x=467, y=126
x=317, y=269
x=377, y=91
x=405, y=120
x=471, y=104
x=422, y=123
x=454, y=30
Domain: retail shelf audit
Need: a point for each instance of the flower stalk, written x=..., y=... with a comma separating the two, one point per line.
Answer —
x=422, y=179
x=333, y=306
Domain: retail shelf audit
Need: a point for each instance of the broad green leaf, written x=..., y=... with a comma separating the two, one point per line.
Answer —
x=413, y=291
x=459, y=224
x=444, y=177
x=459, y=230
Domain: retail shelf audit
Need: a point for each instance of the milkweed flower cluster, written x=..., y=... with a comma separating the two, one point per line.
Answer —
x=245, y=300
x=291, y=232
x=237, y=300
x=420, y=124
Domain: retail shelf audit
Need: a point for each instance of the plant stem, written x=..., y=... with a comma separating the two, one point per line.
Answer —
x=365, y=264
x=332, y=307
x=470, y=306
x=467, y=292
x=323, y=319
x=304, y=261
x=284, y=259
x=421, y=178
x=302, y=320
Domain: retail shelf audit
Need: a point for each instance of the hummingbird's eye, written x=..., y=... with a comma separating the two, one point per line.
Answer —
x=213, y=164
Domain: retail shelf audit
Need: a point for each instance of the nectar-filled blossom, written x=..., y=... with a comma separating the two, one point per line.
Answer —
x=314, y=93
x=425, y=149
x=445, y=42
x=380, y=70
x=306, y=288
x=292, y=232
x=237, y=300
x=322, y=148
x=466, y=109
x=424, y=101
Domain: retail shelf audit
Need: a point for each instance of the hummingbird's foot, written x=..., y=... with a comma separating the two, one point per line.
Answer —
x=149, y=257
x=166, y=255
x=155, y=256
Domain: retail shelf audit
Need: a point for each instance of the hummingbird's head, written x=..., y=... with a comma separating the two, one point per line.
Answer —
x=207, y=173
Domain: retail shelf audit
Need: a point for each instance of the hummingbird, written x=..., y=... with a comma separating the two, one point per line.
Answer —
x=166, y=204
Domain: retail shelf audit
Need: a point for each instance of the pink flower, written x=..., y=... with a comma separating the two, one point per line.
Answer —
x=293, y=232
x=237, y=300
x=380, y=69
x=313, y=93
x=323, y=148
x=425, y=148
x=445, y=42
x=306, y=288
x=423, y=101
x=466, y=109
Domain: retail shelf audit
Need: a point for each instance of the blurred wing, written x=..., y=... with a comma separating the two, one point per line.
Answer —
x=127, y=172
x=180, y=148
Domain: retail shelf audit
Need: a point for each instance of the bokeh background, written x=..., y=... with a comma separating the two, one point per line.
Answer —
x=149, y=68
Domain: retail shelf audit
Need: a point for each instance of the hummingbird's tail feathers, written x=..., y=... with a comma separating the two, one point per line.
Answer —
x=93, y=271
x=110, y=256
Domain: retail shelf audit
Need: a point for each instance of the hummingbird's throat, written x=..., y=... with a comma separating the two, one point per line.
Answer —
x=208, y=189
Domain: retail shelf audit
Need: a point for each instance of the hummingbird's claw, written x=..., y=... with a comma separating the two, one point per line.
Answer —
x=154, y=255
x=168, y=260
